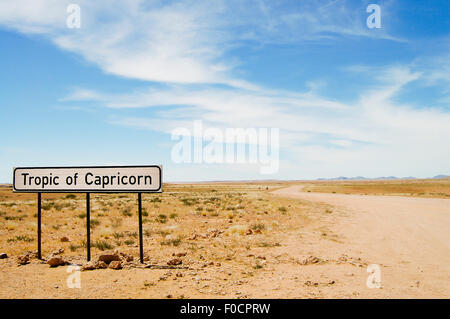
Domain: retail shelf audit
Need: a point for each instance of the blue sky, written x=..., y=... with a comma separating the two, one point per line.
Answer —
x=348, y=100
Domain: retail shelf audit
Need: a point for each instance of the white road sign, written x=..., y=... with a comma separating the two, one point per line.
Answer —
x=95, y=179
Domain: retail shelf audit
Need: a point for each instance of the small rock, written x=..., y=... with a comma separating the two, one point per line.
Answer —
x=310, y=260
x=108, y=257
x=127, y=258
x=3, y=256
x=91, y=265
x=349, y=274
x=55, y=261
x=101, y=265
x=56, y=252
x=64, y=239
x=182, y=254
x=23, y=260
x=115, y=265
x=310, y=283
x=249, y=232
x=174, y=262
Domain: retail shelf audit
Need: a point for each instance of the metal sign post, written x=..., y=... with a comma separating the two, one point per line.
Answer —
x=141, y=247
x=88, y=226
x=39, y=226
x=89, y=179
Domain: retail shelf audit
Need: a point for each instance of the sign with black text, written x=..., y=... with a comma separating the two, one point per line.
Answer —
x=95, y=179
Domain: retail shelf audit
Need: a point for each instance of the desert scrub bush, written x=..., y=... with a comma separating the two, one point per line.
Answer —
x=129, y=242
x=82, y=215
x=189, y=201
x=173, y=215
x=171, y=242
x=14, y=217
x=155, y=200
x=163, y=233
x=230, y=215
x=258, y=226
x=236, y=229
x=24, y=238
x=144, y=213
x=161, y=218
x=258, y=266
x=71, y=196
x=199, y=208
x=266, y=244
x=127, y=212
x=74, y=247
x=117, y=235
x=282, y=209
x=116, y=222
x=102, y=245
x=94, y=223
x=47, y=206
x=133, y=234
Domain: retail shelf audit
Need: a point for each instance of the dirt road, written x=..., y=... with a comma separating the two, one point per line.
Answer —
x=408, y=237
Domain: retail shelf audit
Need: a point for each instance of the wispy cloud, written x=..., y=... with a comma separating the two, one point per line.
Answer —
x=184, y=41
x=312, y=127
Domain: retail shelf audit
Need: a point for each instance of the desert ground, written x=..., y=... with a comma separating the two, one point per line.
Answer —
x=235, y=240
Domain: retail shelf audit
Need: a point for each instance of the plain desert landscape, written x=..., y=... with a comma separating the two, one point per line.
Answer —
x=234, y=240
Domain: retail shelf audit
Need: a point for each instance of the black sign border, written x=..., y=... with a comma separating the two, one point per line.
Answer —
x=159, y=190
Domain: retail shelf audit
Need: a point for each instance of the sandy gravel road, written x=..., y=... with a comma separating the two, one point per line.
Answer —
x=409, y=237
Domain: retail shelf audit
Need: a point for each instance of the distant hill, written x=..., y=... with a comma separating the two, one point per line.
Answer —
x=362, y=178
x=441, y=176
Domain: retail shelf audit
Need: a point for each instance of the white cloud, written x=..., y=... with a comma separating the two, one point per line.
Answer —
x=374, y=134
x=184, y=41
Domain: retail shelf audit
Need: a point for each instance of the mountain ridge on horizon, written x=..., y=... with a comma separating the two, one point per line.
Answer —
x=357, y=178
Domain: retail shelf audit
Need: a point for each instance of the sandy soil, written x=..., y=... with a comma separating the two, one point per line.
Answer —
x=408, y=237
x=319, y=247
